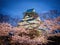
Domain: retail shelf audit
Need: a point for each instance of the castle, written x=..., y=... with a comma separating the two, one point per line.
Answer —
x=30, y=20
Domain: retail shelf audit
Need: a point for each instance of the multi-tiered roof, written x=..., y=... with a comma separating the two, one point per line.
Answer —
x=30, y=19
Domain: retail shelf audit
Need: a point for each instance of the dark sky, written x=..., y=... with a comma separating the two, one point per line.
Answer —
x=17, y=7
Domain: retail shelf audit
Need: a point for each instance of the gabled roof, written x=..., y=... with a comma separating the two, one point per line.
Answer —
x=31, y=13
x=30, y=10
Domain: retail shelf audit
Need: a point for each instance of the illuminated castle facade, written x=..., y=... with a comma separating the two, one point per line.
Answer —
x=30, y=20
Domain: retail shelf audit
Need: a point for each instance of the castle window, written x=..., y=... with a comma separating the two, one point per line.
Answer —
x=29, y=15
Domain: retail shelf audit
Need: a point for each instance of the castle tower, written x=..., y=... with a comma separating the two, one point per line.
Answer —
x=30, y=20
